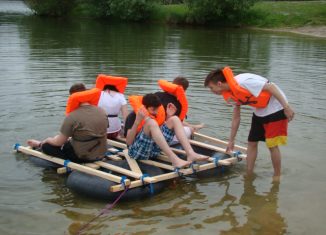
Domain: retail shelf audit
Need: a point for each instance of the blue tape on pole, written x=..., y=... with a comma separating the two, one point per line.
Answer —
x=192, y=167
x=177, y=170
x=236, y=154
x=65, y=164
x=151, y=186
x=122, y=181
x=216, y=159
x=16, y=146
x=142, y=178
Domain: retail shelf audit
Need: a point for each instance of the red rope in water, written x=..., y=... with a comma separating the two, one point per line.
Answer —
x=105, y=210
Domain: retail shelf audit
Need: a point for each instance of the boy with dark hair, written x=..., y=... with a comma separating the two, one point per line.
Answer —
x=182, y=81
x=76, y=88
x=152, y=128
x=271, y=112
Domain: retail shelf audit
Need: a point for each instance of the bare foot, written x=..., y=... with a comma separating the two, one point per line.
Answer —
x=196, y=157
x=276, y=179
x=179, y=163
x=33, y=143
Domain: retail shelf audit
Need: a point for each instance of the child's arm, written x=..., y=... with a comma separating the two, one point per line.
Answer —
x=132, y=132
x=271, y=88
x=234, y=127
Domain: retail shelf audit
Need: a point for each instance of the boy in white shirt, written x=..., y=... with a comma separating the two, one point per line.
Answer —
x=270, y=117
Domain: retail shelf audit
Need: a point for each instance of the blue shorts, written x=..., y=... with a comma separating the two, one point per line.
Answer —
x=144, y=147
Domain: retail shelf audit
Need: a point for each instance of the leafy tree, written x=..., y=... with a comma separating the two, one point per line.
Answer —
x=130, y=9
x=51, y=7
x=222, y=10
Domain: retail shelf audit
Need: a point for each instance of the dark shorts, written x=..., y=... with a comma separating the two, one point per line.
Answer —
x=144, y=147
x=272, y=129
x=113, y=135
x=65, y=152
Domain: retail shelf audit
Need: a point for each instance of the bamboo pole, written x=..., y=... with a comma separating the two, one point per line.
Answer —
x=63, y=170
x=116, y=144
x=72, y=165
x=218, y=141
x=132, y=162
x=123, y=171
x=215, y=148
x=114, y=157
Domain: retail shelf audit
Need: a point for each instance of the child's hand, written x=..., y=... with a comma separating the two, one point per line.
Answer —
x=141, y=114
x=230, y=147
x=289, y=113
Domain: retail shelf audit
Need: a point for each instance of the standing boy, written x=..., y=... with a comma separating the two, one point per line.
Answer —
x=271, y=112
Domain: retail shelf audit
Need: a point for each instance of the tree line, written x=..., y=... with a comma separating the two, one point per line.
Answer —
x=194, y=11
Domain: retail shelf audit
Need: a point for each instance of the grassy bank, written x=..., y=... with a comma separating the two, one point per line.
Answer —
x=262, y=14
x=287, y=14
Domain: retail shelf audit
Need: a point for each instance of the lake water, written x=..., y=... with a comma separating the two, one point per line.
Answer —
x=41, y=58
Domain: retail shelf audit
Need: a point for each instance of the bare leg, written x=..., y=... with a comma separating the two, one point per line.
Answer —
x=152, y=129
x=175, y=124
x=251, y=156
x=33, y=143
x=276, y=160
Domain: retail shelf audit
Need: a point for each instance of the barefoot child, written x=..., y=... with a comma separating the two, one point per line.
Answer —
x=271, y=111
x=150, y=128
x=82, y=136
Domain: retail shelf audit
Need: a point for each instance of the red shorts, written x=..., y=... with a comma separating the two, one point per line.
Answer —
x=272, y=129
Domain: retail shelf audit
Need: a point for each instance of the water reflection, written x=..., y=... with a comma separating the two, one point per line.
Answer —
x=262, y=216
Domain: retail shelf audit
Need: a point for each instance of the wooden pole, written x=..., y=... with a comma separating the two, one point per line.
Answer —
x=218, y=141
x=215, y=148
x=171, y=175
x=123, y=171
x=72, y=165
x=132, y=162
x=63, y=170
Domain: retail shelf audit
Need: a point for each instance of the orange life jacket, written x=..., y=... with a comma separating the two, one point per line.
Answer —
x=91, y=96
x=242, y=96
x=179, y=93
x=136, y=103
x=119, y=82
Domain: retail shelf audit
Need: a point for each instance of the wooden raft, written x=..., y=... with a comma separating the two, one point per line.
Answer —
x=135, y=172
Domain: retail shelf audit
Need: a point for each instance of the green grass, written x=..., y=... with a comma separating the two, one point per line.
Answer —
x=262, y=14
x=287, y=14
x=265, y=14
x=170, y=13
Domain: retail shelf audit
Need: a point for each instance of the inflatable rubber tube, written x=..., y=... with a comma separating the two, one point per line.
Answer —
x=98, y=188
x=43, y=163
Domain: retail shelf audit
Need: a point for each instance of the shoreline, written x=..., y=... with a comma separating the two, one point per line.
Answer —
x=314, y=31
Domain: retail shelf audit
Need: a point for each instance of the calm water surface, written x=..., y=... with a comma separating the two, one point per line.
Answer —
x=41, y=58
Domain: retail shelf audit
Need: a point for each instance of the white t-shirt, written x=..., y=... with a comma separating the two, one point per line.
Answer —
x=254, y=84
x=111, y=102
